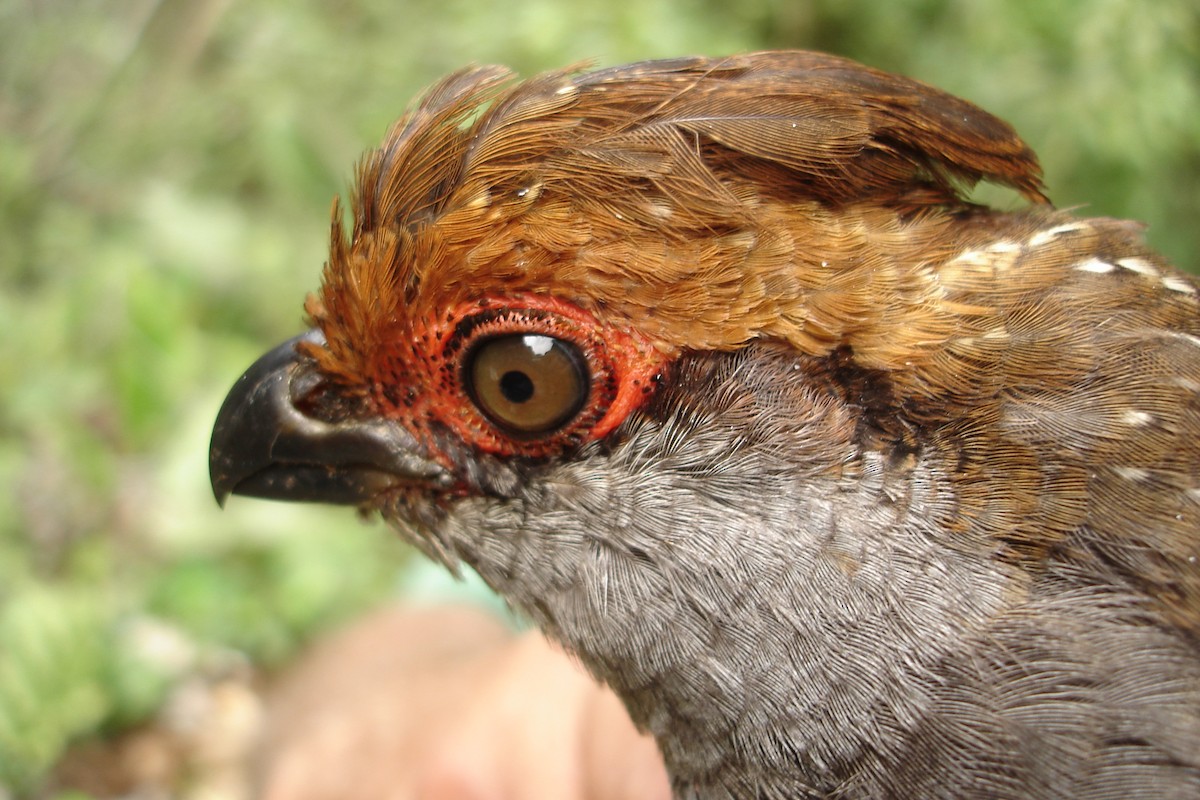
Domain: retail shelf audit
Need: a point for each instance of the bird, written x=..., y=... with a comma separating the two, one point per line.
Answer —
x=848, y=485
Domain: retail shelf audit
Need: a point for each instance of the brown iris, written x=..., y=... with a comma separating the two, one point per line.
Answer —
x=527, y=384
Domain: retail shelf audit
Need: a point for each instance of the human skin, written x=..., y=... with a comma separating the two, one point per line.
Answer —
x=447, y=704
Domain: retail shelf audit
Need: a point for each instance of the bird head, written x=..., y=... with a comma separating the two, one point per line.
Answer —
x=528, y=260
x=707, y=366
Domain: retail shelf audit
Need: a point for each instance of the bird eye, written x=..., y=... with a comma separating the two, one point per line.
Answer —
x=527, y=384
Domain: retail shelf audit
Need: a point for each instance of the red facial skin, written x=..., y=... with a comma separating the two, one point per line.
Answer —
x=419, y=379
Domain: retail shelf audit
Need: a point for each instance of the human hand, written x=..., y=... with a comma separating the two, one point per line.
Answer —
x=447, y=704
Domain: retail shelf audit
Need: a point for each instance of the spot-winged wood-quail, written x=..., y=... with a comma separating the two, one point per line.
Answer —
x=848, y=487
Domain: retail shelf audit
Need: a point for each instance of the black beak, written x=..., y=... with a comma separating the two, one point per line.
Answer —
x=264, y=446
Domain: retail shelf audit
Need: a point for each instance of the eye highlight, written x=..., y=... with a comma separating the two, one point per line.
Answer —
x=527, y=384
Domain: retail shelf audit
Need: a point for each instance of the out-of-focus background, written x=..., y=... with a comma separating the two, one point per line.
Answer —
x=166, y=171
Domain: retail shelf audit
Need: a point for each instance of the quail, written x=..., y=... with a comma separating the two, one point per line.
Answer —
x=849, y=487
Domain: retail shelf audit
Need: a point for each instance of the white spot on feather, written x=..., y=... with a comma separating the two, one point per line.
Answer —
x=660, y=209
x=1042, y=237
x=1137, y=418
x=995, y=259
x=482, y=200
x=1132, y=473
x=1175, y=284
x=1139, y=265
x=972, y=258
x=1095, y=265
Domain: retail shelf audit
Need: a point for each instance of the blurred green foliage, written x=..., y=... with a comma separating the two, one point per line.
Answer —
x=165, y=173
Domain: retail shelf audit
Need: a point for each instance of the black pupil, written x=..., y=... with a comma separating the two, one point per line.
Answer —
x=516, y=386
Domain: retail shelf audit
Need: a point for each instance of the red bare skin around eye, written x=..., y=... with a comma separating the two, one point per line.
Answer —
x=418, y=380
